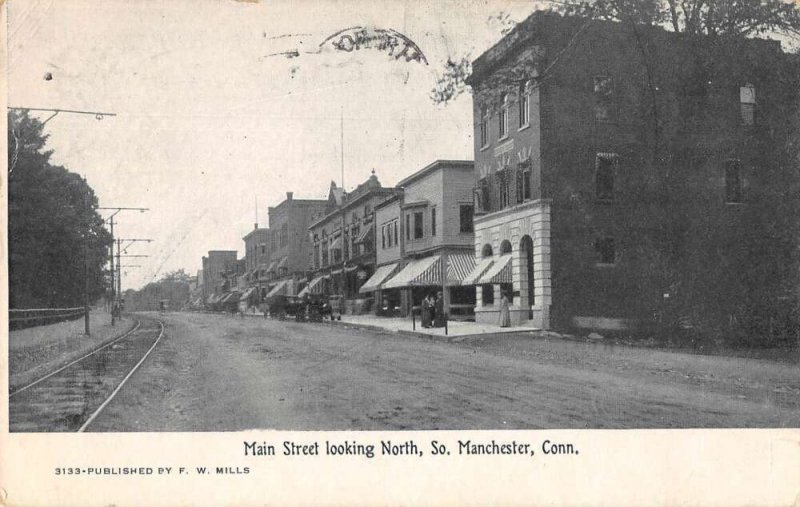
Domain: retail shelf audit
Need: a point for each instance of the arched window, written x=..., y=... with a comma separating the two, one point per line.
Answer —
x=486, y=251
x=504, y=116
x=505, y=247
x=525, y=104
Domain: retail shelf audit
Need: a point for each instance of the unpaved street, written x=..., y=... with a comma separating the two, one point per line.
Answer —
x=216, y=373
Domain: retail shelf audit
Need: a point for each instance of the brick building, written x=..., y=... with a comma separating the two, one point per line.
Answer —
x=257, y=259
x=289, y=245
x=216, y=265
x=628, y=175
x=343, y=239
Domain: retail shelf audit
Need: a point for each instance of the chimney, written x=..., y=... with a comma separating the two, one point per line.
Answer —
x=289, y=196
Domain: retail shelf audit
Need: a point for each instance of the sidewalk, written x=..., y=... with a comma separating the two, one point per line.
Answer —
x=455, y=328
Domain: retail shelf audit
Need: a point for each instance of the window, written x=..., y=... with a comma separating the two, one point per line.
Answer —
x=367, y=210
x=502, y=182
x=483, y=128
x=394, y=228
x=316, y=256
x=383, y=237
x=503, y=118
x=418, y=225
x=485, y=195
x=487, y=294
x=465, y=215
x=523, y=181
x=747, y=103
x=606, y=253
x=263, y=248
x=525, y=104
x=325, y=253
x=433, y=221
x=733, y=181
x=602, y=98
x=284, y=239
x=408, y=226
x=605, y=167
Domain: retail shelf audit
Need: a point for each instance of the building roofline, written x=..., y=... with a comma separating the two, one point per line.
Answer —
x=433, y=166
x=348, y=204
x=258, y=229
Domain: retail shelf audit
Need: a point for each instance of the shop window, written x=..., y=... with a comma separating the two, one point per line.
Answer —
x=605, y=168
x=606, y=251
x=465, y=215
x=418, y=220
x=733, y=182
x=487, y=294
x=747, y=104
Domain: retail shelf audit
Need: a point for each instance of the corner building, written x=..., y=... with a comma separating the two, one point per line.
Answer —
x=629, y=176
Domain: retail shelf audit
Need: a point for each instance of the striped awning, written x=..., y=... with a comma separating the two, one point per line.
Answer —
x=282, y=263
x=415, y=274
x=375, y=281
x=336, y=244
x=458, y=267
x=499, y=272
x=247, y=294
x=474, y=275
x=271, y=268
x=314, y=287
x=365, y=234
x=279, y=289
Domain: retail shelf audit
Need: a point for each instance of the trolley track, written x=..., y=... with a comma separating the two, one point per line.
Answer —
x=71, y=397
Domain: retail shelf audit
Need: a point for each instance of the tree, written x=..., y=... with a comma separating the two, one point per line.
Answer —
x=721, y=18
x=56, y=238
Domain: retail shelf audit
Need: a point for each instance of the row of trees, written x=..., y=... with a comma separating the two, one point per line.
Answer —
x=173, y=287
x=57, y=240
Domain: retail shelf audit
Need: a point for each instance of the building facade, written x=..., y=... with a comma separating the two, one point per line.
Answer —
x=343, y=239
x=289, y=245
x=626, y=175
x=431, y=227
x=216, y=266
x=257, y=256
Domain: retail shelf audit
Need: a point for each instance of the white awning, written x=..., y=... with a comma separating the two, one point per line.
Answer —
x=499, y=272
x=314, y=287
x=247, y=294
x=474, y=275
x=282, y=263
x=375, y=281
x=280, y=288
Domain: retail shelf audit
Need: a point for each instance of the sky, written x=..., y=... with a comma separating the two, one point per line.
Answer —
x=211, y=117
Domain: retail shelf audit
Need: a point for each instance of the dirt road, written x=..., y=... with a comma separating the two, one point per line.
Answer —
x=216, y=373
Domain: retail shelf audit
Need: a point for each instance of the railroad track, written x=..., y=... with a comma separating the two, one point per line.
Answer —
x=71, y=397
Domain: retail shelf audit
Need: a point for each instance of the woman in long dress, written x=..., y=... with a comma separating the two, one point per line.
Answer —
x=505, y=315
x=427, y=306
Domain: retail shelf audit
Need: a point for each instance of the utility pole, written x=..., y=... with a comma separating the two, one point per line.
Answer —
x=114, y=279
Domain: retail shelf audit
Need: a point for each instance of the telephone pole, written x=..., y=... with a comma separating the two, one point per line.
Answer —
x=114, y=280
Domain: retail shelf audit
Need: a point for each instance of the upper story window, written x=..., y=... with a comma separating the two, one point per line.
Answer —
x=367, y=210
x=433, y=221
x=606, y=251
x=395, y=224
x=503, y=118
x=747, y=104
x=465, y=216
x=483, y=127
x=408, y=226
x=418, y=221
x=605, y=169
x=524, y=181
x=383, y=237
x=284, y=239
x=733, y=181
x=263, y=248
x=602, y=98
x=325, y=253
x=525, y=104
x=502, y=183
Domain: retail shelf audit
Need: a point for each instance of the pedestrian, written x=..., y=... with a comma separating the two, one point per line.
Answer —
x=438, y=309
x=505, y=315
x=427, y=310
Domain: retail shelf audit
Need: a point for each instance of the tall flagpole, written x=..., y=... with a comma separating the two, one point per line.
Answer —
x=341, y=141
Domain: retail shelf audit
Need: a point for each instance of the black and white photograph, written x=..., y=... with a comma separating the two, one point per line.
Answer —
x=448, y=216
